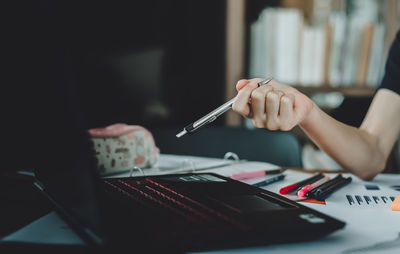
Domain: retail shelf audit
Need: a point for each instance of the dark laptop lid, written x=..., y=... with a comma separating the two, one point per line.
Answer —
x=77, y=191
x=69, y=179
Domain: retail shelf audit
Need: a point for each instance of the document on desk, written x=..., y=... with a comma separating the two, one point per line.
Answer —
x=173, y=164
x=376, y=194
x=369, y=229
x=170, y=163
x=241, y=167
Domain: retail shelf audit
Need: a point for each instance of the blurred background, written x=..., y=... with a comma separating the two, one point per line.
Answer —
x=166, y=63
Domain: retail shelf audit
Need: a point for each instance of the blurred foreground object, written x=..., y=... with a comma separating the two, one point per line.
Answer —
x=121, y=147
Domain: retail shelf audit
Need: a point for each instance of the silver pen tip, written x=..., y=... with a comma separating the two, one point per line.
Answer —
x=180, y=134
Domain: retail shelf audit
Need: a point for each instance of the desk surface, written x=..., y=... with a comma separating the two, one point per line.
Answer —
x=368, y=229
x=20, y=202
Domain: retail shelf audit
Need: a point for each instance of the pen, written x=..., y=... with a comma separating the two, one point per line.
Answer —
x=210, y=117
x=246, y=175
x=290, y=188
x=310, y=194
x=324, y=193
x=269, y=180
x=303, y=191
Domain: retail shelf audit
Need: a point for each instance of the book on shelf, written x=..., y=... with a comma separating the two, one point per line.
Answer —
x=311, y=66
x=287, y=36
x=346, y=50
x=274, y=44
x=337, y=22
x=376, y=56
x=364, y=54
x=350, y=52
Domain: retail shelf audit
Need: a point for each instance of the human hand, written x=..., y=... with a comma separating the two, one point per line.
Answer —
x=274, y=106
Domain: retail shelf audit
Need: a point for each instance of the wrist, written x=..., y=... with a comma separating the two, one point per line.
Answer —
x=312, y=117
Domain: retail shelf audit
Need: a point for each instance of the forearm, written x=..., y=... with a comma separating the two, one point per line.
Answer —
x=353, y=148
x=363, y=150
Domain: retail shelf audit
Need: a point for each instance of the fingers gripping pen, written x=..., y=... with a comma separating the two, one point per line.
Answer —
x=210, y=117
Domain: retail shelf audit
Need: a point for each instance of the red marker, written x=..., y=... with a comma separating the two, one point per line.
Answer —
x=290, y=188
x=302, y=193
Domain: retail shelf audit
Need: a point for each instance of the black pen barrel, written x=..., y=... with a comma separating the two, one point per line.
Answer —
x=323, y=186
x=310, y=180
x=322, y=195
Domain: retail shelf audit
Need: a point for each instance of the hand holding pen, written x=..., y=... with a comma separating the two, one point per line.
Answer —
x=210, y=117
x=275, y=106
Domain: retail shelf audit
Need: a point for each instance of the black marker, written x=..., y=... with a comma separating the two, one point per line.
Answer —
x=269, y=180
x=322, y=194
x=310, y=194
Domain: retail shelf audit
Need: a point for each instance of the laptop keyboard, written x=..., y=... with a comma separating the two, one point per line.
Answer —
x=210, y=214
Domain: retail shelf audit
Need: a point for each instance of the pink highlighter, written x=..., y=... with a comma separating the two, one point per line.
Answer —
x=303, y=191
x=254, y=174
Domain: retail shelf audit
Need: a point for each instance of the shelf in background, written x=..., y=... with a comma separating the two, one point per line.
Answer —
x=348, y=91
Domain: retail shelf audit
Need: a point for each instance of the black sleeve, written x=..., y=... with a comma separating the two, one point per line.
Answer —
x=391, y=79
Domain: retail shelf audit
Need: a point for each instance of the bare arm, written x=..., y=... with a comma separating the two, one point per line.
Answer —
x=363, y=150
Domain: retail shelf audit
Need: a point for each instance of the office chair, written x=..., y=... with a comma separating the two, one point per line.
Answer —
x=280, y=148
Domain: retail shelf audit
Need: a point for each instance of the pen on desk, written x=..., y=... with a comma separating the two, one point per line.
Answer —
x=293, y=187
x=322, y=194
x=310, y=194
x=210, y=117
x=303, y=191
x=269, y=180
x=246, y=175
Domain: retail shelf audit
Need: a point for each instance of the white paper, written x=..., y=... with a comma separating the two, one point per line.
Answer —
x=171, y=164
x=242, y=167
x=373, y=229
x=364, y=198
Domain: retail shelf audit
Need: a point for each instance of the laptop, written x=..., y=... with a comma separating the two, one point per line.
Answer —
x=174, y=213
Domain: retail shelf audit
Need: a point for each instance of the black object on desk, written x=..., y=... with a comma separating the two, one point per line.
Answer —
x=20, y=202
x=269, y=180
x=186, y=212
x=324, y=192
x=181, y=212
x=310, y=194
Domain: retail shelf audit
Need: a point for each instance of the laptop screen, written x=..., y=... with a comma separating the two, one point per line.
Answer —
x=68, y=178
